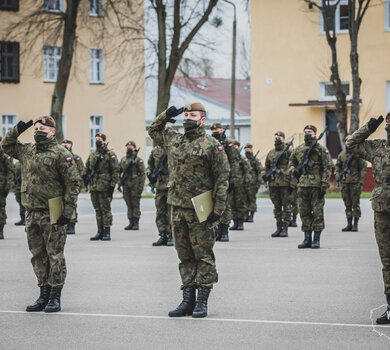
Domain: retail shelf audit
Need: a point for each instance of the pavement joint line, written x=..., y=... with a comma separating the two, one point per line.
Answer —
x=209, y=319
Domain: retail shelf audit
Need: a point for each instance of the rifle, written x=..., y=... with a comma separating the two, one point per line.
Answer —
x=306, y=162
x=270, y=175
x=94, y=174
x=126, y=174
x=345, y=171
x=161, y=169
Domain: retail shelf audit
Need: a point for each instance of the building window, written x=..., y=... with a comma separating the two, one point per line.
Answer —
x=96, y=66
x=53, y=5
x=95, y=126
x=387, y=15
x=51, y=60
x=8, y=121
x=9, y=5
x=9, y=62
x=328, y=91
x=96, y=8
x=341, y=20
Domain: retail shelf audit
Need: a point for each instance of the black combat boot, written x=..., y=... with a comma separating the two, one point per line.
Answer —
x=54, y=304
x=284, y=232
x=316, y=240
x=163, y=240
x=135, y=224
x=187, y=306
x=42, y=301
x=224, y=233
x=106, y=234
x=385, y=317
x=307, y=241
x=355, y=227
x=349, y=226
x=240, y=225
x=201, y=303
x=70, y=229
x=1, y=231
x=278, y=230
x=247, y=216
x=170, y=240
x=250, y=217
x=99, y=234
x=130, y=225
x=293, y=222
x=218, y=233
x=235, y=224
x=21, y=222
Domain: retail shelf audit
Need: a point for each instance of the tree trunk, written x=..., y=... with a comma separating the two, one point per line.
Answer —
x=65, y=64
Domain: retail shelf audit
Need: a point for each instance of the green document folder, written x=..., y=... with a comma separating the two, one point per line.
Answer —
x=203, y=205
x=55, y=209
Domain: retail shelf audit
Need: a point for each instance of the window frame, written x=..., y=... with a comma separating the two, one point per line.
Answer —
x=45, y=6
x=92, y=64
x=321, y=91
x=13, y=7
x=99, y=8
x=337, y=20
x=15, y=65
x=93, y=129
x=46, y=63
x=387, y=16
x=9, y=126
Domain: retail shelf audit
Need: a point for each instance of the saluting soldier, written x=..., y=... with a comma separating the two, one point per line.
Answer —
x=158, y=175
x=68, y=144
x=102, y=174
x=132, y=180
x=18, y=194
x=279, y=187
x=197, y=164
x=257, y=174
x=378, y=153
x=312, y=186
x=48, y=171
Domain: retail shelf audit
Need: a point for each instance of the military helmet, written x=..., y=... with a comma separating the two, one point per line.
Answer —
x=46, y=120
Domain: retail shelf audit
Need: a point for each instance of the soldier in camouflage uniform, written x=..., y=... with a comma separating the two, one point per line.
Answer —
x=18, y=194
x=312, y=187
x=132, y=172
x=68, y=144
x=158, y=167
x=241, y=181
x=279, y=188
x=218, y=132
x=102, y=174
x=48, y=171
x=293, y=199
x=352, y=183
x=6, y=178
x=257, y=174
x=378, y=153
x=197, y=163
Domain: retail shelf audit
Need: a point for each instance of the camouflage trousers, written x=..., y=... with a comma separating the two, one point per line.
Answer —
x=351, y=198
x=46, y=243
x=3, y=214
x=227, y=214
x=101, y=202
x=293, y=201
x=18, y=197
x=280, y=199
x=163, y=213
x=132, y=197
x=382, y=235
x=240, y=198
x=311, y=208
x=252, y=192
x=194, y=244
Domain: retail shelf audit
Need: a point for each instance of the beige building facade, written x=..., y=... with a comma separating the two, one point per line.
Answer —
x=104, y=94
x=290, y=71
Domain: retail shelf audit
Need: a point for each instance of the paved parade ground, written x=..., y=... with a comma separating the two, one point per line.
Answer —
x=270, y=294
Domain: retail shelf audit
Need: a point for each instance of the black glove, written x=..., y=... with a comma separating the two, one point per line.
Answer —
x=212, y=218
x=321, y=192
x=62, y=220
x=22, y=126
x=173, y=112
x=374, y=123
x=111, y=191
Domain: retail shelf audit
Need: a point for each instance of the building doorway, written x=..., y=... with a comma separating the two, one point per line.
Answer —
x=332, y=136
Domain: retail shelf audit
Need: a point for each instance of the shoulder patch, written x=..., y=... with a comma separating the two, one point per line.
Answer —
x=113, y=156
x=230, y=145
x=326, y=151
x=68, y=159
x=141, y=161
x=220, y=148
x=78, y=158
x=9, y=158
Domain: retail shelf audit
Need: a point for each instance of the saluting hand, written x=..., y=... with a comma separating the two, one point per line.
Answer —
x=22, y=126
x=374, y=123
x=173, y=112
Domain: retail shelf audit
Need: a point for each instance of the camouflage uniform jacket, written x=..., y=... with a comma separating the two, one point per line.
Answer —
x=245, y=172
x=136, y=176
x=7, y=172
x=282, y=179
x=48, y=171
x=153, y=162
x=17, y=183
x=257, y=169
x=319, y=174
x=197, y=163
x=357, y=166
x=107, y=170
x=80, y=166
x=378, y=153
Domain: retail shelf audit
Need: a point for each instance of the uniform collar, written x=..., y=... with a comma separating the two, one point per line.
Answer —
x=44, y=145
x=195, y=133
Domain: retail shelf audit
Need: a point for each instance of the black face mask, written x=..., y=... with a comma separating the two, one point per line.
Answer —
x=98, y=144
x=216, y=135
x=248, y=154
x=309, y=138
x=129, y=152
x=278, y=142
x=40, y=136
x=190, y=124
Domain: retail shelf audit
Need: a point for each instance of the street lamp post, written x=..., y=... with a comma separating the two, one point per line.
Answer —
x=233, y=82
